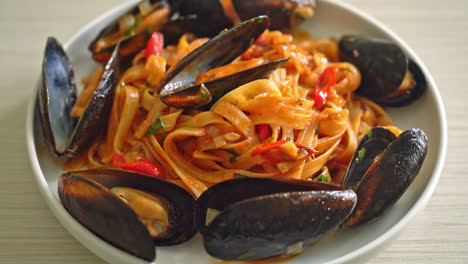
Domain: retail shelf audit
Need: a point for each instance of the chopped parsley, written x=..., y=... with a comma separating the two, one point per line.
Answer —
x=205, y=93
x=361, y=155
x=299, y=15
x=369, y=134
x=156, y=128
x=233, y=153
x=130, y=32
x=289, y=139
x=239, y=176
x=316, y=130
x=219, y=91
x=138, y=22
x=322, y=178
x=147, y=32
x=378, y=206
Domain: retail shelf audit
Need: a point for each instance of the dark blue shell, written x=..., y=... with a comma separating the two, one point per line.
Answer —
x=57, y=96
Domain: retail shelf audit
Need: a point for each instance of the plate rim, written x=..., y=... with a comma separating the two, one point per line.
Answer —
x=66, y=219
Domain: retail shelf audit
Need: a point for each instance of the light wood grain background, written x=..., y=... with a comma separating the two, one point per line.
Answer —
x=29, y=233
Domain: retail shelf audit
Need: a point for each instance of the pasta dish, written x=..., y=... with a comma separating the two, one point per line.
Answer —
x=302, y=122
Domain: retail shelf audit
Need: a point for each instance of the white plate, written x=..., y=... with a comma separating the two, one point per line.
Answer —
x=332, y=18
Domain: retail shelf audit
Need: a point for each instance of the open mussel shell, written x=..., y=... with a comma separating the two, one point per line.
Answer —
x=57, y=95
x=104, y=214
x=212, y=17
x=409, y=95
x=253, y=218
x=193, y=96
x=218, y=51
x=388, y=176
x=103, y=200
x=383, y=66
x=372, y=144
x=179, y=202
x=283, y=14
x=147, y=16
x=64, y=134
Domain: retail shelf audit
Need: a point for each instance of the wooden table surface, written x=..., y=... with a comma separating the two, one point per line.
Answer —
x=29, y=233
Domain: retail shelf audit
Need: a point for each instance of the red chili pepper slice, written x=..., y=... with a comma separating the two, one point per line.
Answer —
x=260, y=40
x=326, y=81
x=263, y=131
x=155, y=44
x=140, y=165
x=277, y=144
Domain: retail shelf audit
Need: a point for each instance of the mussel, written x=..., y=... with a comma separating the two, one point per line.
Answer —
x=131, y=30
x=389, y=77
x=204, y=18
x=217, y=14
x=381, y=170
x=178, y=88
x=246, y=219
x=131, y=211
x=240, y=219
x=57, y=96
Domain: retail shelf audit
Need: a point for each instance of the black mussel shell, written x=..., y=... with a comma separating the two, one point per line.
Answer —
x=212, y=17
x=104, y=214
x=383, y=66
x=178, y=201
x=57, y=96
x=372, y=144
x=409, y=95
x=192, y=97
x=179, y=80
x=283, y=14
x=94, y=120
x=389, y=175
x=262, y=218
x=131, y=42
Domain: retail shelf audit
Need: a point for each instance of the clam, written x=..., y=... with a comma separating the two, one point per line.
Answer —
x=57, y=96
x=178, y=88
x=381, y=170
x=131, y=211
x=389, y=77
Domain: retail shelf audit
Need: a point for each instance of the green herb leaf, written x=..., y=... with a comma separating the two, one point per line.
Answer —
x=239, y=176
x=378, y=206
x=156, y=128
x=147, y=32
x=205, y=93
x=361, y=155
x=369, y=134
x=322, y=178
x=137, y=22
x=316, y=130
x=299, y=15
x=218, y=92
x=289, y=139
x=246, y=255
x=130, y=32
x=233, y=153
